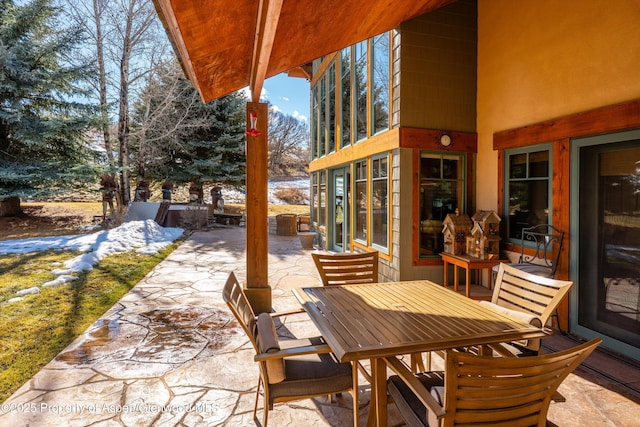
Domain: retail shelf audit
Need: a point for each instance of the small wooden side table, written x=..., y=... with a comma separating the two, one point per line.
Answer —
x=468, y=263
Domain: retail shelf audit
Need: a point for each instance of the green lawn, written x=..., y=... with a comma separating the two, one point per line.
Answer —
x=33, y=331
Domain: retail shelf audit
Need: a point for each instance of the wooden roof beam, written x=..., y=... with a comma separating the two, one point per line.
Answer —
x=170, y=23
x=266, y=27
x=304, y=71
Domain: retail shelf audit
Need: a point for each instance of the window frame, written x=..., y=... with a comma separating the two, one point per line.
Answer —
x=355, y=203
x=331, y=107
x=463, y=184
x=314, y=122
x=372, y=210
x=345, y=97
x=372, y=81
x=315, y=206
x=360, y=130
x=507, y=180
x=322, y=199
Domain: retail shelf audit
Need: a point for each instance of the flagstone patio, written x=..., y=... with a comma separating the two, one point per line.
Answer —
x=169, y=353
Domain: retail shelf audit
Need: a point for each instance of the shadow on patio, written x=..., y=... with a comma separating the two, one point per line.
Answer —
x=169, y=353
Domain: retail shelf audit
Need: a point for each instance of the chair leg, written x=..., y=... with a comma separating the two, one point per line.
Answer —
x=265, y=416
x=557, y=317
x=417, y=363
x=255, y=406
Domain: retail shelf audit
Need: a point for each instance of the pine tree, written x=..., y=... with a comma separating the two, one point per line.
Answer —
x=43, y=122
x=181, y=139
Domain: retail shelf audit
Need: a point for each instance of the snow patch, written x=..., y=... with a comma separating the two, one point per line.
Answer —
x=145, y=237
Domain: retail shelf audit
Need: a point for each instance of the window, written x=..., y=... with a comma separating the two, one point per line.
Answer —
x=380, y=201
x=360, y=90
x=360, y=225
x=331, y=108
x=345, y=93
x=323, y=199
x=442, y=184
x=322, y=115
x=315, y=214
x=314, y=123
x=527, y=202
x=380, y=82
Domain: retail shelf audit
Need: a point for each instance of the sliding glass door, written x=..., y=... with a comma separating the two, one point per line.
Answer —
x=607, y=237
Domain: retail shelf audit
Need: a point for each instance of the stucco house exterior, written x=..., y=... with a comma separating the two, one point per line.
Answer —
x=530, y=109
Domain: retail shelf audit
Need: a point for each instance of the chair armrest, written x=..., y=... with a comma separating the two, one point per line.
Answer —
x=415, y=385
x=501, y=350
x=288, y=312
x=295, y=351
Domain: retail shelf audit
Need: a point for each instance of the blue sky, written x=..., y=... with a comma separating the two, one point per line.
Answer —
x=290, y=95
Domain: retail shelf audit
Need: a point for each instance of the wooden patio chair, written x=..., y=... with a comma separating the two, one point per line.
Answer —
x=528, y=297
x=546, y=241
x=347, y=268
x=289, y=369
x=483, y=390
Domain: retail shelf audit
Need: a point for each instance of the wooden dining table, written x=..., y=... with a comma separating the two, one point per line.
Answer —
x=376, y=320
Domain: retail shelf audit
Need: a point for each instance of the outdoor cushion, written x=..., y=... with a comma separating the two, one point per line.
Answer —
x=267, y=343
x=522, y=347
x=412, y=409
x=311, y=374
x=518, y=315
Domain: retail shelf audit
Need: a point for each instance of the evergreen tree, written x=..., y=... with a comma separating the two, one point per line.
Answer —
x=179, y=138
x=43, y=123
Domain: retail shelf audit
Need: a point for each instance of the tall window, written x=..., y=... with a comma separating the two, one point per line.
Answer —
x=323, y=199
x=331, y=108
x=360, y=89
x=315, y=214
x=380, y=82
x=345, y=92
x=360, y=205
x=380, y=201
x=314, y=123
x=442, y=184
x=526, y=199
x=322, y=118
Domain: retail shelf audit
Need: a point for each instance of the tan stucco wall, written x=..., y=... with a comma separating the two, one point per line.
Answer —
x=541, y=59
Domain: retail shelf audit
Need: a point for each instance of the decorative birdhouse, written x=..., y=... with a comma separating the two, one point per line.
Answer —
x=456, y=228
x=484, y=239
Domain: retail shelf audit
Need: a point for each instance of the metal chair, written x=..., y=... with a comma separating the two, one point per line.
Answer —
x=483, y=390
x=546, y=241
x=547, y=244
x=347, y=268
x=289, y=369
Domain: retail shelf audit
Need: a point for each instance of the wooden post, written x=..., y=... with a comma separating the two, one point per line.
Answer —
x=257, y=286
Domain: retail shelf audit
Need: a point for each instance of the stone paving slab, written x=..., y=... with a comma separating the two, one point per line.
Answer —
x=169, y=353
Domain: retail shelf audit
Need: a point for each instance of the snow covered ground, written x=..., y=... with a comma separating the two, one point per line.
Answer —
x=145, y=237
x=232, y=195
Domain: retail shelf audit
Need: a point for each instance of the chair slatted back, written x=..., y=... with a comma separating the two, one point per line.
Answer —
x=347, y=268
x=506, y=391
x=518, y=290
x=546, y=241
x=239, y=305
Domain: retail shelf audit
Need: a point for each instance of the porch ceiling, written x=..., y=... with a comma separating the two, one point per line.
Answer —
x=228, y=45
